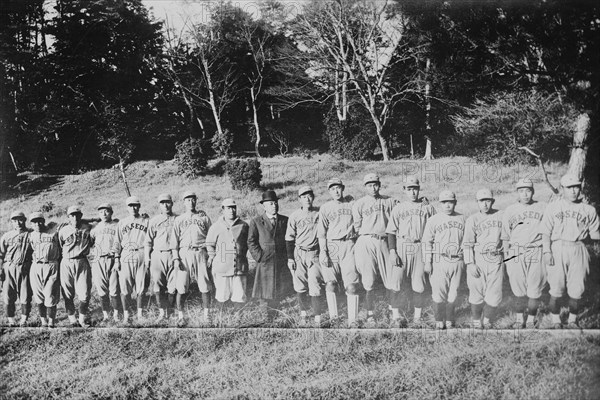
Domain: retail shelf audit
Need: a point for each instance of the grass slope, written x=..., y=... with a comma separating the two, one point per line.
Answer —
x=293, y=364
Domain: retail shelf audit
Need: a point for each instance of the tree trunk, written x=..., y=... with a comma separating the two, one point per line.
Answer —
x=579, y=150
x=412, y=148
x=211, y=96
x=382, y=143
x=255, y=120
x=428, y=155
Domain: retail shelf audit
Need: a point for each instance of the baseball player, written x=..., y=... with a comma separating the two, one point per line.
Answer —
x=565, y=224
x=523, y=253
x=128, y=251
x=370, y=216
x=188, y=245
x=444, y=258
x=43, y=276
x=104, y=274
x=336, y=242
x=484, y=258
x=75, y=272
x=302, y=247
x=405, y=231
x=159, y=258
x=227, y=245
x=15, y=261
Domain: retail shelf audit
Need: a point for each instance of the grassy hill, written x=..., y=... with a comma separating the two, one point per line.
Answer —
x=291, y=363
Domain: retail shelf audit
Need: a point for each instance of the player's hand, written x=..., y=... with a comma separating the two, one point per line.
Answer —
x=292, y=264
x=210, y=261
x=324, y=260
x=395, y=259
x=548, y=259
x=118, y=264
x=2, y=275
x=148, y=265
x=473, y=270
x=428, y=268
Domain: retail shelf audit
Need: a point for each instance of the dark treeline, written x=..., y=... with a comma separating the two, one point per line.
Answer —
x=85, y=84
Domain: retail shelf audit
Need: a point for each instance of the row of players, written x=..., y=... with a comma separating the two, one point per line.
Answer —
x=342, y=242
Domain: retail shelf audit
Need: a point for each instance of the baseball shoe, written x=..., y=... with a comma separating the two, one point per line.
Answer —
x=439, y=325
x=557, y=325
x=397, y=324
x=370, y=322
x=43, y=324
x=84, y=324
x=181, y=322
x=23, y=324
x=12, y=324
x=518, y=325
x=160, y=319
x=51, y=325
x=531, y=325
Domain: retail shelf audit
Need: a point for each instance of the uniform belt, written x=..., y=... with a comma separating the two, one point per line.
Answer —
x=409, y=241
x=134, y=248
x=569, y=242
x=78, y=258
x=106, y=255
x=376, y=236
x=46, y=262
x=312, y=248
x=452, y=257
x=196, y=248
x=165, y=251
x=342, y=239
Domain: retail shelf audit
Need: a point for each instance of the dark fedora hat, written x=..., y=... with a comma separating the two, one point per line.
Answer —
x=269, y=195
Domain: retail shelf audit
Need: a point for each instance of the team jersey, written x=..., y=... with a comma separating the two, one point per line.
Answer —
x=14, y=246
x=190, y=230
x=568, y=221
x=76, y=242
x=371, y=214
x=302, y=228
x=103, y=237
x=521, y=224
x=45, y=245
x=335, y=220
x=131, y=234
x=482, y=232
x=408, y=220
x=227, y=242
x=444, y=234
x=160, y=232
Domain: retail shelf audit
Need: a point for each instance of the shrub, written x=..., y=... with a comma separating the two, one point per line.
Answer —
x=221, y=144
x=190, y=158
x=245, y=174
x=352, y=139
x=495, y=128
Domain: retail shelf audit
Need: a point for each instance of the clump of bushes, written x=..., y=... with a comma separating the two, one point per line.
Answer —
x=244, y=174
x=191, y=159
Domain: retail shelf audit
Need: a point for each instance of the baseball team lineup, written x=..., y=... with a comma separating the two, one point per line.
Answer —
x=345, y=246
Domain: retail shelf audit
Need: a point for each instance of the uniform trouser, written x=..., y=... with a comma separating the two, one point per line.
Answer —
x=16, y=285
x=230, y=288
x=132, y=276
x=164, y=275
x=342, y=267
x=44, y=283
x=411, y=255
x=445, y=279
x=105, y=277
x=307, y=275
x=75, y=279
x=488, y=286
x=571, y=266
x=526, y=273
x=194, y=261
x=371, y=257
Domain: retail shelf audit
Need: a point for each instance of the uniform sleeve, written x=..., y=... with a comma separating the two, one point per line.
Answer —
x=392, y=226
x=176, y=235
x=505, y=234
x=150, y=234
x=594, y=225
x=3, y=247
x=469, y=236
x=356, y=216
x=322, y=225
x=428, y=235
x=211, y=240
x=432, y=210
x=547, y=224
x=116, y=248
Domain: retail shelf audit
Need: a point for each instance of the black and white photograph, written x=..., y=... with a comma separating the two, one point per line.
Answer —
x=274, y=199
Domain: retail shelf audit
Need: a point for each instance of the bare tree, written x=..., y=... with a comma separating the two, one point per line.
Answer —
x=361, y=41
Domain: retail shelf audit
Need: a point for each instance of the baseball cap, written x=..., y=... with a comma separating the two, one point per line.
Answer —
x=412, y=181
x=228, y=203
x=187, y=194
x=164, y=197
x=334, y=181
x=447, y=195
x=17, y=214
x=105, y=205
x=132, y=200
x=74, y=210
x=483, y=194
x=525, y=183
x=371, y=178
x=304, y=190
x=569, y=180
x=36, y=215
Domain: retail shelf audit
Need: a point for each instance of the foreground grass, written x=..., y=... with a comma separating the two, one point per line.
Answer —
x=292, y=364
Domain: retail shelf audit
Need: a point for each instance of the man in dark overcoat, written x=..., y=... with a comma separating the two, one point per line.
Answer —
x=266, y=242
